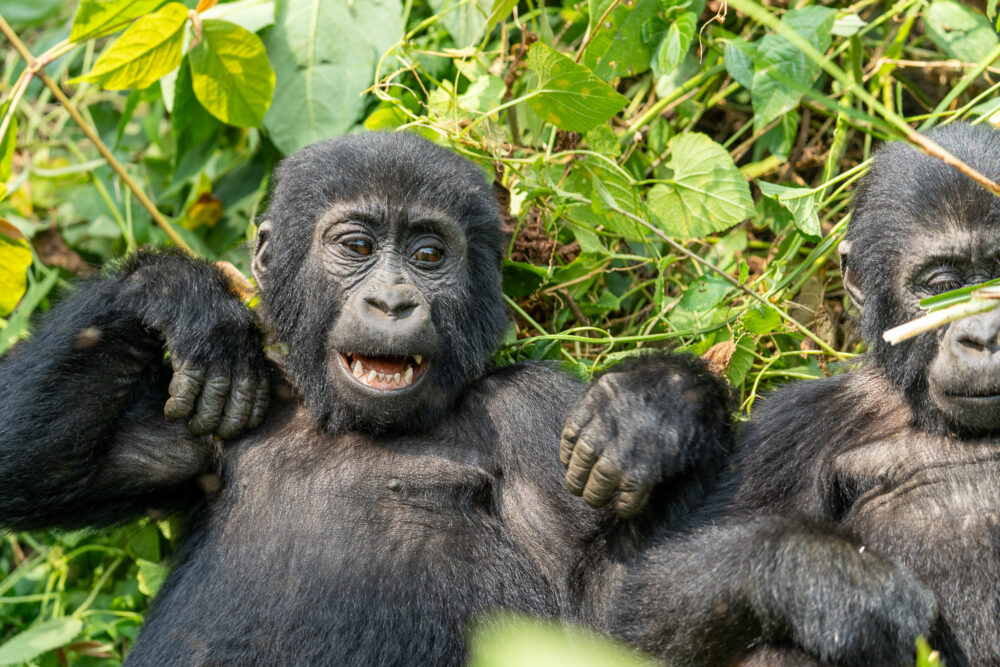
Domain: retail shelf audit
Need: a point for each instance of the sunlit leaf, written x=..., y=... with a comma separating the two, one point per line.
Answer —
x=151, y=576
x=250, y=14
x=7, y=144
x=800, y=202
x=706, y=194
x=324, y=56
x=616, y=47
x=96, y=17
x=960, y=30
x=569, y=95
x=230, y=73
x=149, y=49
x=465, y=20
x=760, y=320
x=15, y=258
x=39, y=638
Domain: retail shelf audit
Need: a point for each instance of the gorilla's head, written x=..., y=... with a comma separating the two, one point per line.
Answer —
x=379, y=267
x=919, y=228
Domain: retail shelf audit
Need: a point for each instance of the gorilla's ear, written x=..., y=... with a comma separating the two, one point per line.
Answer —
x=850, y=277
x=261, y=252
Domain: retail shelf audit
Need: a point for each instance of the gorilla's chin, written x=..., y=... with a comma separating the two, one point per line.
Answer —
x=968, y=408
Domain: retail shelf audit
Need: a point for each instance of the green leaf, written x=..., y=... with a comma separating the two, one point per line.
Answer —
x=926, y=656
x=149, y=49
x=97, y=17
x=707, y=192
x=7, y=143
x=800, y=202
x=778, y=61
x=959, y=30
x=520, y=279
x=465, y=20
x=253, y=15
x=230, y=74
x=150, y=576
x=675, y=43
x=740, y=362
x=501, y=10
x=15, y=258
x=606, y=187
x=483, y=95
x=509, y=640
x=704, y=294
x=602, y=139
x=617, y=47
x=190, y=123
x=39, y=638
x=761, y=320
x=847, y=25
x=738, y=58
x=568, y=94
x=960, y=295
x=324, y=56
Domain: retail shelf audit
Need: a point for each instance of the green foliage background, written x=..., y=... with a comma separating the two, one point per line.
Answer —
x=674, y=173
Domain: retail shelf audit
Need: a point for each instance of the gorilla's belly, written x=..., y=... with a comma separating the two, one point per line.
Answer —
x=344, y=563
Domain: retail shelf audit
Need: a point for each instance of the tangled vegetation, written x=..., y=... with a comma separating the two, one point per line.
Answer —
x=674, y=173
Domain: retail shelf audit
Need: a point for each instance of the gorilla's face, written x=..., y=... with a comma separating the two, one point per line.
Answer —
x=963, y=378
x=379, y=265
x=920, y=228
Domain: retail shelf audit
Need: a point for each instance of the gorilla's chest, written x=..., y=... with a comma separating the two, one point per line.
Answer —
x=920, y=484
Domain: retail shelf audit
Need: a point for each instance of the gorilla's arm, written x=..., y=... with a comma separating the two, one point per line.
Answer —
x=83, y=439
x=709, y=597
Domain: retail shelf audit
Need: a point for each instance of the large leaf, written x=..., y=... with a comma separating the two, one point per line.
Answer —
x=149, y=49
x=230, y=73
x=569, y=95
x=675, y=43
x=15, y=258
x=617, y=48
x=707, y=192
x=96, y=17
x=39, y=638
x=465, y=20
x=324, y=55
x=961, y=31
x=777, y=62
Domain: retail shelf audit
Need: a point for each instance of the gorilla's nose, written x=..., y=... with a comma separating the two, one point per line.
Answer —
x=395, y=308
x=976, y=340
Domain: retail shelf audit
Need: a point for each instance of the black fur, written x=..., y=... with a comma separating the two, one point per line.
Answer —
x=353, y=527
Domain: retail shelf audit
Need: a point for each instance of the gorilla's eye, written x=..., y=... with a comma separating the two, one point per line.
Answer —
x=359, y=246
x=943, y=280
x=428, y=254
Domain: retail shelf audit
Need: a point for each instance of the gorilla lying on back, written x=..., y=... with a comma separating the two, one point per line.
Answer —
x=408, y=487
x=406, y=490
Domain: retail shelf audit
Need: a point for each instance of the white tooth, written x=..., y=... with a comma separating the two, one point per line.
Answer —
x=371, y=376
x=358, y=370
x=418, y=358
x=396, y=378
x=408, y=375
x=381, y=377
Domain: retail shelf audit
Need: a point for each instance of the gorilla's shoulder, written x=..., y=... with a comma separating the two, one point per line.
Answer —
x=527, y=386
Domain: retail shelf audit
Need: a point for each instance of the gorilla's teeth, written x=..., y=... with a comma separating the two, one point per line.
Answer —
x=418, y=358
x=408, y=376
x=371, y=376
x=358, y=370
x=396, y=378
x=381, y=377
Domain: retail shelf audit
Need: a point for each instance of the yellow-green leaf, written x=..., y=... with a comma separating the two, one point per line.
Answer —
x=40, y=638
x=148, y=50
x=15, y=258
x=7, y=142
x=706, y=194
x=96, y=17
x=569, y=95
x=230, y=73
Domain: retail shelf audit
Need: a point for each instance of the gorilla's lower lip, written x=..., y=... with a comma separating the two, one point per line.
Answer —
x=382, y=372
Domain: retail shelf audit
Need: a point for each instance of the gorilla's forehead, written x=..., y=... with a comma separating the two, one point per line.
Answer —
x=382, y=213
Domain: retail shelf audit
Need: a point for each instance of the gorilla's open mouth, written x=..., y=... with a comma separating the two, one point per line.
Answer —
x=384, y=373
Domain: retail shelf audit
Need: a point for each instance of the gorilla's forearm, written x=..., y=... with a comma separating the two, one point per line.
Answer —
x=708, y=598
x=83, y=439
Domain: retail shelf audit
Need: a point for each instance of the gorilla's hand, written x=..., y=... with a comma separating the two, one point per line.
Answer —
x=642, y=422
x=219, y=379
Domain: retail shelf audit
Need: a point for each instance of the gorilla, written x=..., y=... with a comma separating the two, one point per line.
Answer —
x=398, y=487
x=896, y=462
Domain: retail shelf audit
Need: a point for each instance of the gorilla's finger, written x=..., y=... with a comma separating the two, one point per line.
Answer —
x=210, y=405
x=237, y=412
x=184, y=387
x=578, y=470
x=577, y=420
x=260, y=402
x=603, y=482
x=633, y=497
